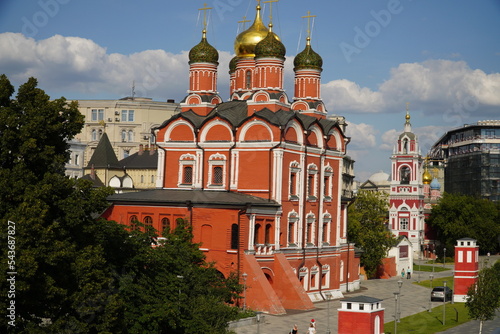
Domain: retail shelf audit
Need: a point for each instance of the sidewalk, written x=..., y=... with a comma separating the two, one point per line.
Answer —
x=414, y=299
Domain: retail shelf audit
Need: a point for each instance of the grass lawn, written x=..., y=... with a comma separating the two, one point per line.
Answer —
x=425, y=268
x=437, y=282
x=431, y=322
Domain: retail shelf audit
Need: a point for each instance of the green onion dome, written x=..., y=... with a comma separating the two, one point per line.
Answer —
x=308, y=59
x=270, y=46
x=203, y=52
x=232, y=64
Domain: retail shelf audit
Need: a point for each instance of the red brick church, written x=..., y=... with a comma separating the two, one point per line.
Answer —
x=264, y=182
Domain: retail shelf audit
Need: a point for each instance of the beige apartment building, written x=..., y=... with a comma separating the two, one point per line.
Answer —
x=127, y=122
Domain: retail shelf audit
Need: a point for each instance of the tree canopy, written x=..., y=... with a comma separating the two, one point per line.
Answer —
x=366, y=228
x=72, y=273
x=460, y=216
x=483, y=297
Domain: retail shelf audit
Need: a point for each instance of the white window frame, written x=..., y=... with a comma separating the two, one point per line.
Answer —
x=216, y=160
x=97, y=115
x=312, y=194
x=294, y=169
x=128, y=115
x=186, y=160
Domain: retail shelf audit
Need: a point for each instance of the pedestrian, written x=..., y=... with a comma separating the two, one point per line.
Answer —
x=295, y=330
x=408, y=273
x=311, y=329
x=313, y=322
x=403, y=273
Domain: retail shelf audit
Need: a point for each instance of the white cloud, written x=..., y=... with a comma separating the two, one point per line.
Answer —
x=435, y=85
x=362, y=136
x=389, y=139
x=80, y=66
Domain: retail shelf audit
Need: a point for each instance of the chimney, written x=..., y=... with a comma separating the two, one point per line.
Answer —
x=153, y=149
x=141, y=149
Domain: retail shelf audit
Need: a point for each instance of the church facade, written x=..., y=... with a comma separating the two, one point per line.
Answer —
x=413, y=191
x=262, y=180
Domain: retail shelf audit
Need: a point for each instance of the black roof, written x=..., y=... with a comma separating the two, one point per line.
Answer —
x=204, y=198
x=104, y=155
x=148, y=159
x=96, y=181
x=361, y=299
x=236, y=112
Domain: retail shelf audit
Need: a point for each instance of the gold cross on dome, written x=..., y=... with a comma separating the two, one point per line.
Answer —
x=308, y=16
x=204, y=9
x=244, y=21
x=270, y=2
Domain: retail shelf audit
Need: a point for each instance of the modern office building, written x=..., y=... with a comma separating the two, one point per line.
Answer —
x=471, y=159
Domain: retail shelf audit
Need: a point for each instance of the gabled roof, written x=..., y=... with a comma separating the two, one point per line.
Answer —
x=104, y=155
x=96, y=181
x=236, y=112
x=206, y=198
x=146, y=160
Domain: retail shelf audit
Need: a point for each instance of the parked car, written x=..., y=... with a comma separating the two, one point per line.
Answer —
x=441, y=292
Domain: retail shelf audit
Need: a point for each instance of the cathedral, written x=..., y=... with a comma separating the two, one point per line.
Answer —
x=264, y=181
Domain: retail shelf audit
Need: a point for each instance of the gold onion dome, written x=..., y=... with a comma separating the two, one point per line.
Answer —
x=270, y=46
x=308, y=59
x=426, y=177
x=244, y=45
x=203, y=52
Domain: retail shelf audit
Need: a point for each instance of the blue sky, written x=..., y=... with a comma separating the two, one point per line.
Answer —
x=441, y=56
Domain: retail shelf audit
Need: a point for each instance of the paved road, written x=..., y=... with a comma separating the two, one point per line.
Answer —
x=414, y=299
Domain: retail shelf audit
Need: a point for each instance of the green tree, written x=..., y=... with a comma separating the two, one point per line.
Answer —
x=459, y=216
x=366, y=228
x=483, y=297
x=74, y=273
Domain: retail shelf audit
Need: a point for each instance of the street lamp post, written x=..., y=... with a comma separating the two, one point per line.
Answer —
x=431, y=276
x=444, y=303
x=396, y=294
x=433, y=259
x=444, y=256
x=328, y=297
x=400, y=285
x=244, y=275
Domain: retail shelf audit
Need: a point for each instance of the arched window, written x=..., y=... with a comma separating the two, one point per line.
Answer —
x=165, y=225
x=267, y=235
x=100, y=134
x=234, y=236
x=94, y=134
x=124, y=136
x=148, y=221
x=256, y=234
x=248, y=79
x=130, y=135
x=405, y=175
x=133, y=222
x=310, y=229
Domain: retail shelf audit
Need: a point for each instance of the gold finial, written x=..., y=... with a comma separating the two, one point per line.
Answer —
x=270, y=2
x=204, y=9
x=244, y=21
x=308, y=16
x=407, y=117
